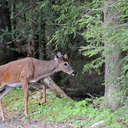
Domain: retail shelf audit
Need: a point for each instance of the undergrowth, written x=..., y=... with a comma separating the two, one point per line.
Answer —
x=80, y=113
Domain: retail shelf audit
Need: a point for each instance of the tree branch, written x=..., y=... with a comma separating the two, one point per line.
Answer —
x=99, y=124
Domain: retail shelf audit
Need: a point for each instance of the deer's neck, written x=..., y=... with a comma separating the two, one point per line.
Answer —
x=44, y=69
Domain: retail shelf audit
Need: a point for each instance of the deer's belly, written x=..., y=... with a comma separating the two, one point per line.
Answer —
x=9, y=78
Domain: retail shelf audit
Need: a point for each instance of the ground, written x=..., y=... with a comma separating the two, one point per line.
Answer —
x=60, y=112
x=17, y=123
x=14, y=117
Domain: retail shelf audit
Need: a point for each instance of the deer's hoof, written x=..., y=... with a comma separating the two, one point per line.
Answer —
x=3, y=119
x=25, y=113
x=40, y=103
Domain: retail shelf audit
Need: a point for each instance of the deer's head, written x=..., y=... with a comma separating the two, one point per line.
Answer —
x=63, y=65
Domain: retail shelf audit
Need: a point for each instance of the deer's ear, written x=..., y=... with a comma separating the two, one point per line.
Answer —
x=56, y=58
x=59, y=55
x=65, y=56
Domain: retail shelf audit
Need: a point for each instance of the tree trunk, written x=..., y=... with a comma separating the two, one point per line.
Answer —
x=42, y=42
x=6, y=54
x=113, y=95
x=4, y=17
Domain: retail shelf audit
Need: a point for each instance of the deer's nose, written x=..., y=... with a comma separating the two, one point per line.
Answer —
x=73, y=73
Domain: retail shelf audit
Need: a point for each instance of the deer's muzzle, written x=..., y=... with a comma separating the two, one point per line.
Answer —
x=73, y=73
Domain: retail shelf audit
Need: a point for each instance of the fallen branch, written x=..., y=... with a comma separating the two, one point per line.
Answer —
x=55, y=88
x=99, y=124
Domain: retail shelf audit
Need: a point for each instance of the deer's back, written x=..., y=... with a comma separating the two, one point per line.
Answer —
x=16, y=70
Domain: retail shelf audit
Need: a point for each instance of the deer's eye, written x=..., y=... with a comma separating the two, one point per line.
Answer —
x=65, y=64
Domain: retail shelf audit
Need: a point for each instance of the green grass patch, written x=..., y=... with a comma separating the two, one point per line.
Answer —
x=82, y=113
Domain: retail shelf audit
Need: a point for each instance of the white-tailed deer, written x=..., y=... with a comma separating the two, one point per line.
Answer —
x=30, y=70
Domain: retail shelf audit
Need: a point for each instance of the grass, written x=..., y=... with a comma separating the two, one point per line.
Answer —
x=82, y=113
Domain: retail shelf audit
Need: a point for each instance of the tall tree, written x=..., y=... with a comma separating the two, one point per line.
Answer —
x=112, y=56
x=106, y=37
x=4, y=16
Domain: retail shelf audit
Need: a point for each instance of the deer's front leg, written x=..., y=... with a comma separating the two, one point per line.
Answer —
x=1, y=109
x=25, y=88
x=43, y=95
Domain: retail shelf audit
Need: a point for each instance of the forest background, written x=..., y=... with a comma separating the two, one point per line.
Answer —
x=92, y=32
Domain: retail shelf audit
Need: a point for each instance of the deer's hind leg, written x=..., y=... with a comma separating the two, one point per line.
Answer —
x=1, y=109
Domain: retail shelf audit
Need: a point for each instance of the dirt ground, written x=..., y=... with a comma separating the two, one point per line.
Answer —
x=27, y=123
x=13, y=120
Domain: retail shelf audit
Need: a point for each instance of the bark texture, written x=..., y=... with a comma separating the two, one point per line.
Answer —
x=112, y=57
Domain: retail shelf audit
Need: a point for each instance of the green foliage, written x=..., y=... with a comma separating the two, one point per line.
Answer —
x=66, y=21
x=119, y=118
x=93, y=34
x=55, y=21
x=80, y=113
x=96, y=33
